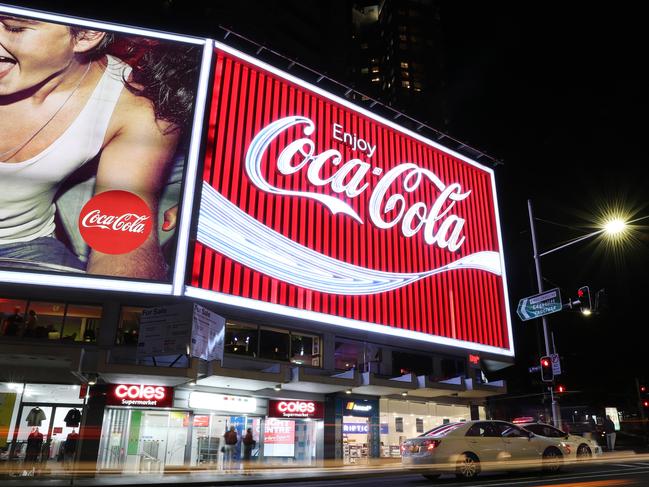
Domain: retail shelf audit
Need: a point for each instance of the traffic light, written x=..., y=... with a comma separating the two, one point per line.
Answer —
x=561, y=389
x=583, y=295
x=547, y=375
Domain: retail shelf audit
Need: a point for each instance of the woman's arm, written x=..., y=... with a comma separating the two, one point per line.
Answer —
x=136, y=159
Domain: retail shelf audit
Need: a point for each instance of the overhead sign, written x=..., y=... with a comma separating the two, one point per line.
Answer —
x=116, y=219
x=542, y=304
x=314, y=208
x=140, y=395
x=295, y=409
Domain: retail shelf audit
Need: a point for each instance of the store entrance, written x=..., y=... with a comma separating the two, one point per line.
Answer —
x=47, y=436
x=207, y=438
x=140, y=440
x=355, y=439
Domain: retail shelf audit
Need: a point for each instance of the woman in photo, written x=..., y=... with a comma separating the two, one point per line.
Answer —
x=71, y=97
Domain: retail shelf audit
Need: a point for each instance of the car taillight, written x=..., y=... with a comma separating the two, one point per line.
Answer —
x=431, y=444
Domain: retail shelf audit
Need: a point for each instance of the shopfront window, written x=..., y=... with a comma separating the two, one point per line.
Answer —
x=82, y=322
x=241, y=339
x=12, y=316
x=305, y=349
x=364, y=356
x=274, y=344
x=404, y=363
x=50, y=320
x=36, y=421
x=406, y=419
x=129, y=325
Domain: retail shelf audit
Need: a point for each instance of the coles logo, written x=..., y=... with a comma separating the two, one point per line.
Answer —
x=296, y=409
x=115, y=222
x=140, y=395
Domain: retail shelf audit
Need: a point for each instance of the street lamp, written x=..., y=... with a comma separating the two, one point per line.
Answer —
x=615, y=226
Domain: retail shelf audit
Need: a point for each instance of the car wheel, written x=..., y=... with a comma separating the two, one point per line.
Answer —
x=583, y=452
x=552, y=460
x=468, y=466
x=431, y=476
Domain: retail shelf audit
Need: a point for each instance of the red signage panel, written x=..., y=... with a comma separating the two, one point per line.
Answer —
x=315, y=208
x=295, y=409
x=140, y=395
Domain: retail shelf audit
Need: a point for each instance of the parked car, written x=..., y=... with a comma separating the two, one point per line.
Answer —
x=469, y=447
x=580, y=448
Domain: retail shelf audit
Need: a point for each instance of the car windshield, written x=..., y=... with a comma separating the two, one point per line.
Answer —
x=443, y=430
x=545, y=430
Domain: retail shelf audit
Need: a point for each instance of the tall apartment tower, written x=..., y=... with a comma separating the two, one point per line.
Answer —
x=397, y=56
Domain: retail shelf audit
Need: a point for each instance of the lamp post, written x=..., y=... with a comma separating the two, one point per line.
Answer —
x=612, y=227
x=556, y=412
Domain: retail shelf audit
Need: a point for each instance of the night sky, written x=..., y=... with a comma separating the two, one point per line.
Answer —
x=559, y=94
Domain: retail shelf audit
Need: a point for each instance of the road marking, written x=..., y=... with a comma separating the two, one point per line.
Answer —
x=593, y=483
x=632, y=465
x=558, y=479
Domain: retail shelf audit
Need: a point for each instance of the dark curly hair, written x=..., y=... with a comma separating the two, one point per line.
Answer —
x=164, y=72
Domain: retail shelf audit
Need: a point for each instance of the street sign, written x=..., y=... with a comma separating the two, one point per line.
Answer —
x=556, y=364
x=538, y=305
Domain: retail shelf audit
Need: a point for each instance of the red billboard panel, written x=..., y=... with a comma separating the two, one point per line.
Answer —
x=315, y=208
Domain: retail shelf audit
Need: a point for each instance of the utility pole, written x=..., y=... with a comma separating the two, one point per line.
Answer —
x=556, y=412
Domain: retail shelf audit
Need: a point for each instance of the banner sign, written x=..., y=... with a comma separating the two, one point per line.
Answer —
x=181, y=329
x=279, y=438
x=312, y=207
x=92, y=181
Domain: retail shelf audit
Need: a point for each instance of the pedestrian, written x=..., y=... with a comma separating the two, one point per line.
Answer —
x=248, y=445
x=609, y=429
x=11, y=325
x=230, y=438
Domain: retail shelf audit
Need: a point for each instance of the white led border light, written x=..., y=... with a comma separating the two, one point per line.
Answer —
x=357, y=325
x=106, y=283
x=336, y=320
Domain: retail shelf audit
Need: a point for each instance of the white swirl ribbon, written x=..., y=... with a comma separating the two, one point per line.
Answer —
x=227, y=229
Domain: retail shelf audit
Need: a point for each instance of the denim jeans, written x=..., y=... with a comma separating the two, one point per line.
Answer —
x=44, y=254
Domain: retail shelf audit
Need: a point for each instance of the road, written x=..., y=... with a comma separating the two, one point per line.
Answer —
x=628, y=474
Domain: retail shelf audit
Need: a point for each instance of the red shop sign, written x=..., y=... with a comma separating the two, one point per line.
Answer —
x=295, y=409
x=314, y=208
x=140, y=395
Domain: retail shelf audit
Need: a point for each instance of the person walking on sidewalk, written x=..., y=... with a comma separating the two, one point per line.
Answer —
x=609, y=429
x=231, y=440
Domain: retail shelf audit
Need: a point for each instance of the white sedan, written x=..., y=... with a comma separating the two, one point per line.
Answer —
x=467, y=448
x=580, y=448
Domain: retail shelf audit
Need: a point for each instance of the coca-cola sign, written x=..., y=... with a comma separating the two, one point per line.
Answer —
x=312, y=207
x=115, y=222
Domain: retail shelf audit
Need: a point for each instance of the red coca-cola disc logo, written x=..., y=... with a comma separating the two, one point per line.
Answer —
x=115, y=222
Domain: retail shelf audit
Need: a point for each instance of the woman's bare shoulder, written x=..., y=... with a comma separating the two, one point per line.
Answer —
x=134, y=112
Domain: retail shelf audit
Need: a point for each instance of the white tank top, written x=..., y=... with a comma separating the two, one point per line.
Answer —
x=27, y=188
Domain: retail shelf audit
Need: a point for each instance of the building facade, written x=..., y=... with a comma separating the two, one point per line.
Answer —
x=333, y=283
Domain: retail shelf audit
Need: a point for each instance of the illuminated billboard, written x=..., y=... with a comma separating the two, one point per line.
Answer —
x=311, y=207
x=101, y=127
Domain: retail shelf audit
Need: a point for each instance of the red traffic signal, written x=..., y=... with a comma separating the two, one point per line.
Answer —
x=645, y=404
x=643, y=389
x=547, y=374
x=583, y=294
x=561, y=389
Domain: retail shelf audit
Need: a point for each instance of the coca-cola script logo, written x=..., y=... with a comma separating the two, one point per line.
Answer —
x=115, y=222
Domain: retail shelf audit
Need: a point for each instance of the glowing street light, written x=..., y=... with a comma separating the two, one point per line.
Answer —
x=615, y=226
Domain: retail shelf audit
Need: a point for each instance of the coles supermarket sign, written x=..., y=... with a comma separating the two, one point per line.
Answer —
x=311, y=207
